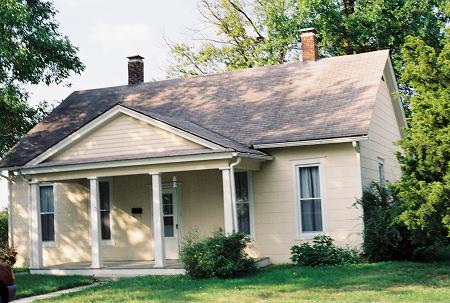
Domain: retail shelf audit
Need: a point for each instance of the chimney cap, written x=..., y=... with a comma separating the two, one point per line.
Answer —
x=308, y=30
x=136, y=57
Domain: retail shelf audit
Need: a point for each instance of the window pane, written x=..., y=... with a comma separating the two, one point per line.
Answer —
x=311, y=215
x=243, y=213
x=46, y=199
x=241, y=183
x=309, y=182
x=381, y=172
x=168, y=226
x=104, y=195
x=167, y=204
x=48, y=227
x=106, y=225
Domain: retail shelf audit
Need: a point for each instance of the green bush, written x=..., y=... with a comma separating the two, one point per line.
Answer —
x=3, y=228
x=7, y=254
x=384, y=238
x=220, y=255
x=322, y=251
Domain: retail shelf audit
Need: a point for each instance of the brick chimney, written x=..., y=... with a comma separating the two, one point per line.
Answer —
x=135, y=69
x=309, y=44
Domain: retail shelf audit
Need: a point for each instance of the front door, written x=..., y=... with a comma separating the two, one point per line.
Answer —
x=170, y=222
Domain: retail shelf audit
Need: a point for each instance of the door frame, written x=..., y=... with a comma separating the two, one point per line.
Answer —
x=174, y=190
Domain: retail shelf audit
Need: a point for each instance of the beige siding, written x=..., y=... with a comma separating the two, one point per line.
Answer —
x=383, y=132
x=202, y=208
x=125, y=135
x=20, y=219
x=275, y=198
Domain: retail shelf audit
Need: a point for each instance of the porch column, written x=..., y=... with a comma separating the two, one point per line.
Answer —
x=227, y=201
x=96, y=260
x=158, y=231
x=35, y=227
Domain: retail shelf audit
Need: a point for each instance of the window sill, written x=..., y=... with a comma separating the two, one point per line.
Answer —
x=108, y=243
x=49, y=244
x=310, y=235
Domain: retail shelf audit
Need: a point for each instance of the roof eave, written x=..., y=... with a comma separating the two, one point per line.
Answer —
x=311, y=142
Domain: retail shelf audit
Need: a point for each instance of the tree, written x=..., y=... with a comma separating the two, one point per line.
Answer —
x=425, y=183
x=265, y=32
x=32, y=51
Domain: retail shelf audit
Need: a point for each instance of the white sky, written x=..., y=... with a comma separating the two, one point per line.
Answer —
x=106, y=32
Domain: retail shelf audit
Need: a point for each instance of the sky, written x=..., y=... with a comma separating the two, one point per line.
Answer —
x=106, y=32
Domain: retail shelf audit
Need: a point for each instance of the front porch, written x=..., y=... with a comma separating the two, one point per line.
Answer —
x=136, y=224
x=123, y=269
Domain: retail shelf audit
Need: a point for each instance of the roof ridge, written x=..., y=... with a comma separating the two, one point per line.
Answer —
x=126, y=86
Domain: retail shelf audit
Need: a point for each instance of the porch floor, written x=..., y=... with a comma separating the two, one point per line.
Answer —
x=112, y=269
x=145, y=264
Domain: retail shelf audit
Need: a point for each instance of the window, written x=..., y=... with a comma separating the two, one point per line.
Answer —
x=241, y=180
x=310, y=198
x=47, y=213
x=105, y=209
x=168, y=215
x=381, y=172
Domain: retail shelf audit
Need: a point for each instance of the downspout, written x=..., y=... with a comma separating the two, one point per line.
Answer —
x=233, y=193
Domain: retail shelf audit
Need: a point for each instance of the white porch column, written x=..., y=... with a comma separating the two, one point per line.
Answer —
x=227, y=201
x=96, y=259
x=158, y=231
x=35, y=227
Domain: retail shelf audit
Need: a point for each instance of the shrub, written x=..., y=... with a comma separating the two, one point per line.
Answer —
x=322, y=251
x=384, y=238
x=3, y=228
x=7, y=254
x=220, y=256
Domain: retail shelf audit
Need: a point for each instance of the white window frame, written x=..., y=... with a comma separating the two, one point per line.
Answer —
x=250, y=201
x=381, y=171
x=320, y=163
x=111, y=223
x=53, y=243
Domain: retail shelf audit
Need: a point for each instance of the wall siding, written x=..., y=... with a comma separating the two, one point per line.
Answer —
x=201, y=208
x=275, y=199
x=125, y=135
x=383, y=132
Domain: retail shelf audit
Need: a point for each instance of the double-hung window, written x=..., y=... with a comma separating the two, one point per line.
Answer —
x=47, y=205
x=105, y=209
x=310, y=199
x=243, y=197
x=381, y=172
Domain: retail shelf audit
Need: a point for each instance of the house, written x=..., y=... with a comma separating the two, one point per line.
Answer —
x=115, y=178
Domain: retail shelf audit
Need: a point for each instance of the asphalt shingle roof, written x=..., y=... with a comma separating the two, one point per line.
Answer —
x=330, y=98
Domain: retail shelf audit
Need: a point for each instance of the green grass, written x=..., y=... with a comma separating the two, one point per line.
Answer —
x=31, y=285
x=381, y=282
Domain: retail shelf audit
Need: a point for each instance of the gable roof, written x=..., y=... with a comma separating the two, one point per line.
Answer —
x=330, y=98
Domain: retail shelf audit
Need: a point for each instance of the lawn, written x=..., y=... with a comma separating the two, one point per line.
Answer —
x=382, y=282
x=30, y=285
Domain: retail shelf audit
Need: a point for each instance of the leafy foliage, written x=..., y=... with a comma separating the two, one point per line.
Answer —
x=266, y=32
x=32, y=50
x=385, y=239
x=425, y=161
x=220, y=255
x=7, y=254
x=322, y=251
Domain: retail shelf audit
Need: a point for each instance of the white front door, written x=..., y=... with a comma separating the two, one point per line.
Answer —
x=171, y=223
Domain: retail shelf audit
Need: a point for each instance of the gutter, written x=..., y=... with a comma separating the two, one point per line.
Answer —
x=311, y=142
